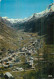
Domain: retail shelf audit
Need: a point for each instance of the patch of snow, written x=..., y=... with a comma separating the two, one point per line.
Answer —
x=36, y=15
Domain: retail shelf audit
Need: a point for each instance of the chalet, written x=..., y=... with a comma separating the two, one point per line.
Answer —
x=19, y=69
x=22, y=53
x=7, y=75
x=50, y=77
x=30, y=62
x=5, y=66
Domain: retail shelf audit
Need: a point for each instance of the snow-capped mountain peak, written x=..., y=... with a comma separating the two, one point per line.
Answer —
x=35, y=15
x=13, y=20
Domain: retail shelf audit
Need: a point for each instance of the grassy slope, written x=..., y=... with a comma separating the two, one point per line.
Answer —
x=8, y=37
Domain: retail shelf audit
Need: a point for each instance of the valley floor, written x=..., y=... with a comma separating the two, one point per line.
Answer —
x=29, y=60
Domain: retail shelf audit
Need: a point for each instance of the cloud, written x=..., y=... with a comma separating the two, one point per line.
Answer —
x=0, y=0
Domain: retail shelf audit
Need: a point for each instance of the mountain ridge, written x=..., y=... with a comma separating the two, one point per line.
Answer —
x=37, y=15
x=42, y=22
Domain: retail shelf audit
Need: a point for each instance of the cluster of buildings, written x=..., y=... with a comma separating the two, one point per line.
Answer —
x=14, y=58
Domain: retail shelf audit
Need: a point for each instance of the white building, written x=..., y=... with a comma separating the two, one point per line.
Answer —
x=7, y=75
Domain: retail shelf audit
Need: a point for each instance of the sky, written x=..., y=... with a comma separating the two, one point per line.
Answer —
x=22, y=8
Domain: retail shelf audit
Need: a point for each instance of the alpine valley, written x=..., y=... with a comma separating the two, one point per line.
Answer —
x=27, y=46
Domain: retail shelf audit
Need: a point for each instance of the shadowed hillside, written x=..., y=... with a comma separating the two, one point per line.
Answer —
x=43, y=25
